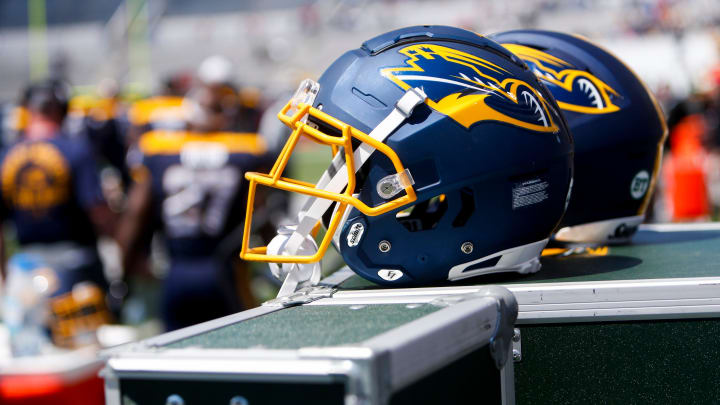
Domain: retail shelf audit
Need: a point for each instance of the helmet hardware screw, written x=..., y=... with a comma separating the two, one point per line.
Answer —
x=386, y=189
x=516, y=355
x=467, y=248
x=384, y=246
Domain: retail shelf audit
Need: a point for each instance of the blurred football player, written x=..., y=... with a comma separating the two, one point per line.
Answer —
x=103, y=120
x=50, y=192
x=17, y=119
x=163, y=111
x=189, y=186
x=240, y=105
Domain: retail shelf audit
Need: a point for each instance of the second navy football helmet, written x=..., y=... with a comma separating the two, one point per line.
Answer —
x=617, y=125
x=450, y=160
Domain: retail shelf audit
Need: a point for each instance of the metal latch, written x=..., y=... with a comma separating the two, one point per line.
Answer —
x=302, y=296
x=516, y=346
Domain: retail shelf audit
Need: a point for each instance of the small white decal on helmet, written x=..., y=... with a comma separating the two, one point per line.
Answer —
x=355, y=234
x=640, y=184
x=390, y=275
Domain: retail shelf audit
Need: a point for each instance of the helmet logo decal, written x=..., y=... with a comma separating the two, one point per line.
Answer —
x=355, y=234
x=470, y=89
x=574, y=89
x=390, y=275
x=639, y=185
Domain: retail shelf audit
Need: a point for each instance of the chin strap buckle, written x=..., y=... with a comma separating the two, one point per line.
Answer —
x=294, y=275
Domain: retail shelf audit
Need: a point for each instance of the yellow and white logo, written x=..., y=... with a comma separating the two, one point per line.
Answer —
x=574, y=89
x=470, y=89
x=35, y=177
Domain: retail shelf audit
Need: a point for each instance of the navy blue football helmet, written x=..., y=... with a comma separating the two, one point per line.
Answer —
x=618, y=127
x=451, y=160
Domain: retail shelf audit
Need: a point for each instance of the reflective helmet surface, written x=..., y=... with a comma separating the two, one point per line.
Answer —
x=617, y=126
x=483, y=164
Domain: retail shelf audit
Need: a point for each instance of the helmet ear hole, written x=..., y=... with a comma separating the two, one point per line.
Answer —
x=425, y=215
x=467, y=207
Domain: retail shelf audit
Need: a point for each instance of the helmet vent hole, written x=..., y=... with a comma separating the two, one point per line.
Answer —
x=323, y=127
x=425, y=215
x=467, y=207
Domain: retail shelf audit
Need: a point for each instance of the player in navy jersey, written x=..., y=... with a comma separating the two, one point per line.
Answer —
x=102, y=119
x=190, y=186
x=51, y=194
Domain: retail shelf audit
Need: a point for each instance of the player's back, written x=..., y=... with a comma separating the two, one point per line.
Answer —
x=197, y=182
x=47, y=188
x=104, y=123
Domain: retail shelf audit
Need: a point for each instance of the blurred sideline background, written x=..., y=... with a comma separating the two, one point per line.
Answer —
x=139, y=46
x=673, y=45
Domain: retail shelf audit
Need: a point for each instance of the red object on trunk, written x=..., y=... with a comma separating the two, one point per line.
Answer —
x=42, y=389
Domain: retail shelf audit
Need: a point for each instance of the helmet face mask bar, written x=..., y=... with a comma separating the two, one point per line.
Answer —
x=345, y=163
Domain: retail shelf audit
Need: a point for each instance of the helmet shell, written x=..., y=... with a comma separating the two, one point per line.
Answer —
x=489, y=140
x=617, y=124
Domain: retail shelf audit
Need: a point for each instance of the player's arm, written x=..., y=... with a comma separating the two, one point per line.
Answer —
x=89, y=193
x=136, y=221
x=103, y=219
x=3, y=270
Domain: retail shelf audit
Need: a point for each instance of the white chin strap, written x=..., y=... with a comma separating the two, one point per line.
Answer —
x=297, y=239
